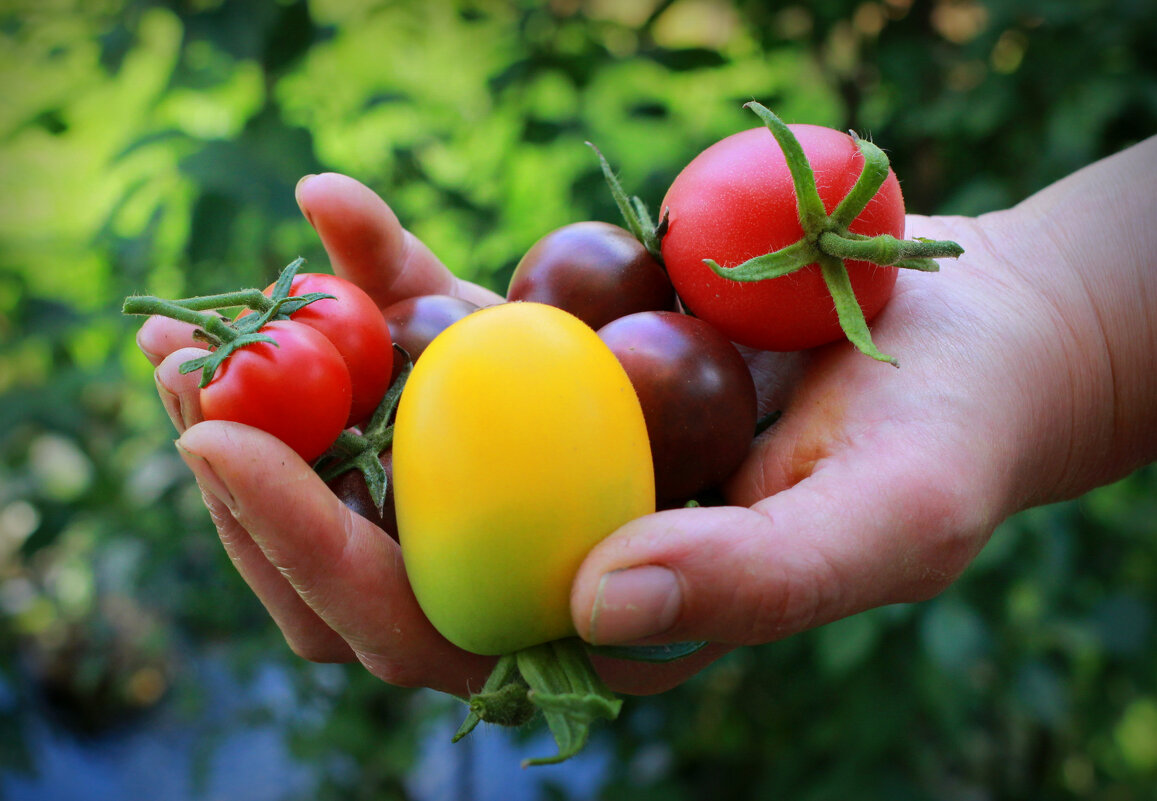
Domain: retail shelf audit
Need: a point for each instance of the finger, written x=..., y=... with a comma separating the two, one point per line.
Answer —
x=159, y=336
x=307, y=634
x=345, y=568
x=840, y=541
x=180, y=393
x=367, y=245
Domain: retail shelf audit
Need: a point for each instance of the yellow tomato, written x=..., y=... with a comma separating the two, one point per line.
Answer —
x=519, y=444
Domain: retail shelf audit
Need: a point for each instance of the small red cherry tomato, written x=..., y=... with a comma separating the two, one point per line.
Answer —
x=298, y=389
x=736, y=201
x=352, y=321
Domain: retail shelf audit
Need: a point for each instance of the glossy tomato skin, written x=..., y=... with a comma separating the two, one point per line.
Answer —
x=352, y=321
x=414, y=322
x=697, y=395
x=594, y=270
x=519, y=444
x=735, y=201
x=297, y=390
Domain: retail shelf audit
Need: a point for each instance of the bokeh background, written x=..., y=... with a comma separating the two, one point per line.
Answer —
x=153, y=147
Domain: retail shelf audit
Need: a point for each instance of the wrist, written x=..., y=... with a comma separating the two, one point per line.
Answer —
x=1082, y=250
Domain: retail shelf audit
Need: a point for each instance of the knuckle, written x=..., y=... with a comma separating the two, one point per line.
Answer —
x=313, y=650
x=393, y=671
x=777, y=593
x=945, y=534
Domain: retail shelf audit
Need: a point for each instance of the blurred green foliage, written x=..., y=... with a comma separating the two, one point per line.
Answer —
x=154, y=146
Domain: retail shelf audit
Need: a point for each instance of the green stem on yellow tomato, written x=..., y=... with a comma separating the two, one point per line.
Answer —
x=555, y=678
x=502, y=700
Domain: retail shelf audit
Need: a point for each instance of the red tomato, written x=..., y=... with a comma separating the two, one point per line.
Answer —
x=297, y=390
x=352, y=321
x=735, y=201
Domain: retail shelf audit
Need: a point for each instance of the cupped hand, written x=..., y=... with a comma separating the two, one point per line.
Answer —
x=875, y=486
x=1027, y=376
x=332, y=581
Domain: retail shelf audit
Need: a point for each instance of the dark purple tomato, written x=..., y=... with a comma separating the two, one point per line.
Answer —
x=414, y=322
x=594, y=270
x=350, y=487
x=697, y=395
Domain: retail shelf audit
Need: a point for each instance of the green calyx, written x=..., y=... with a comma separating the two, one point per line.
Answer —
x=554, y=678
x=360, y=451
x=557, y=679
x=634, y=211
x=225, y=336
x=827, y=240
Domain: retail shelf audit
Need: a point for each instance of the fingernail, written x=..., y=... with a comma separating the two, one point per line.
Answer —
x=211, y=484
x=172, y=405
x=179, y=412
x=297, y=196
x=154, y=358
x=633, y=604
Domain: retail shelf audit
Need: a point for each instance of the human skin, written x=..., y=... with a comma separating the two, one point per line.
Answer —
x=1028, y=375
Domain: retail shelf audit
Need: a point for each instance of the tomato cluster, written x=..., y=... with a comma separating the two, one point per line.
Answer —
x=609, y=384
x=303, y=360
x=775, y=238
x=697, y=395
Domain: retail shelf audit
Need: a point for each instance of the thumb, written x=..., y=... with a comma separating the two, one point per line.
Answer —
x=821, y=550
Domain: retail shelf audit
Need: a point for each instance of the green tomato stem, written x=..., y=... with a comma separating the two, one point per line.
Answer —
x=361, y=451
x=885, y=249
x=827, y=241
x=211, y=324
x=555, y=678
x=568, y=691
x=284, y=282
x=770, y=265
x=502, y=700
x=223, y=336
x=250, y=298
x=634, y=211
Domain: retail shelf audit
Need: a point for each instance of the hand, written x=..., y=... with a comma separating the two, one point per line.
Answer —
x=1028, y=376
x=333, y=582
x=1021, y=384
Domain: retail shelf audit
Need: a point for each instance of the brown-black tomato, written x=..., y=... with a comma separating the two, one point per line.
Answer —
x=415, y=321
x=697, y=394
x=595, y=270
x=350, y=487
